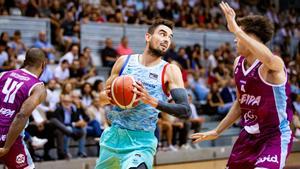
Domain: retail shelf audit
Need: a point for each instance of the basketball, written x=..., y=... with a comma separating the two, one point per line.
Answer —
x=121, y=92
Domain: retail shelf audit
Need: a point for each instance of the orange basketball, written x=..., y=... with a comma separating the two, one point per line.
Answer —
x=121, y=92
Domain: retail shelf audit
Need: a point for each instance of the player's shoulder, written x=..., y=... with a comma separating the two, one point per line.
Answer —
x=173, y=66
x=236, y=61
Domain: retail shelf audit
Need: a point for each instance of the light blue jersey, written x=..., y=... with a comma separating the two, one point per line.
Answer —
x=142, y=117
x=130, y=141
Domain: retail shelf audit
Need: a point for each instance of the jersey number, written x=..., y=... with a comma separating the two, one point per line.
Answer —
x=10, y=89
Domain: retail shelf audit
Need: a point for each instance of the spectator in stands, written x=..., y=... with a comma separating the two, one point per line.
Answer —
x=182, y=58
x=195, y=119
x=151, y=11
x=216, y=103
x=86, y=94
x=228, y=93
x=195, y=57
x=97, y=117
x=108, y=54
x=86, y=69
x=68, y=30
x=46, y=46
x=206, y=63
x=123, y=48
x=57, y=14
x=180, y=133
x=52, y=98
x=221, y=73
x=32, y=8
x=87, y=52
x=98, y=87
x=296, y=104
x=76, y=73
x=3, y=55
x=4, y=37
x=67, y=114
x=199, y=85
x=82, y=123
x=72, y=54
x=17, y=44
x=67, y=88
x=47, y=74
x=165, y=127
x=62, y=72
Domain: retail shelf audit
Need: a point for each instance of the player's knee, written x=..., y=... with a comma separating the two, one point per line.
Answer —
x=141, y=166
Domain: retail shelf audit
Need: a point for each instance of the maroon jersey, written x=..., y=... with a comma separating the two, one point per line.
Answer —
x=266, y=138
x=15, y=86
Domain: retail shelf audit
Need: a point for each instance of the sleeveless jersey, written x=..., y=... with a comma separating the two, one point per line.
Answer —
x=263, y=105
x=15, y=88
x=143, y=116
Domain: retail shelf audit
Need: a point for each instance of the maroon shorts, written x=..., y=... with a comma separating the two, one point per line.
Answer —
x=260, y=151
x=18, y=156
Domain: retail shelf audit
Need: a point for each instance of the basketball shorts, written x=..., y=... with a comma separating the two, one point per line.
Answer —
x=18, y=156
x=260, y=151
x=123, y=149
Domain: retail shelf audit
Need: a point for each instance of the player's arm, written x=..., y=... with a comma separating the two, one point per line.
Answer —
x=261, y=51
x=181, y=107
x=233, y=114
x=104, y=98
x=37, y=96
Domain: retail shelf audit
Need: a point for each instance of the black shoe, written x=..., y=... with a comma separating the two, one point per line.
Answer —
x=65, y=156
x=76, y=135
x=48, y=158
x=82, y=155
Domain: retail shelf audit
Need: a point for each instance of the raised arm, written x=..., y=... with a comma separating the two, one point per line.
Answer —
x=260, y=50
x=38, y=95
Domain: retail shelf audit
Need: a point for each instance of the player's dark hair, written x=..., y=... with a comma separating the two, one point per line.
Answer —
x=35, y=57
x=159, y=21
x=258, y=25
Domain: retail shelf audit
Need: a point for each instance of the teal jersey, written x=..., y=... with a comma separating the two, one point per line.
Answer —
x=142, y=117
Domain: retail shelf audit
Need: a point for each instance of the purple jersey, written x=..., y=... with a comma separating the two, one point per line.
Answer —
x=266, y=137
x=15, y=87
x=263, y=105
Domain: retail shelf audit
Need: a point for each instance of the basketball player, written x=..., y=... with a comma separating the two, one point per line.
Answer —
x=261, y=81
x=130, y=142
x=20, y=93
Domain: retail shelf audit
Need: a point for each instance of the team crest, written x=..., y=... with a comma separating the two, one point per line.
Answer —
x=20, y=159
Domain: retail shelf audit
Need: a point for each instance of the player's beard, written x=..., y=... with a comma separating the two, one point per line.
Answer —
x=155, y=52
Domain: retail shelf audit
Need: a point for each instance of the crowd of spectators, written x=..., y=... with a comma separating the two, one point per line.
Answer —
x=72, y=108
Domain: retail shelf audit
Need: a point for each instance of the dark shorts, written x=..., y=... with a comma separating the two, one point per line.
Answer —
x=18, y=156
x=260, y=151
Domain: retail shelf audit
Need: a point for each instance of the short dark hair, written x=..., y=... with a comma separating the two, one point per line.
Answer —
x=258, y=25
x=35, y=57
x=159, y=21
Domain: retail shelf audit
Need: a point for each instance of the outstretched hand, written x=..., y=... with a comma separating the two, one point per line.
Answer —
x=209, y=135
x=230, y=17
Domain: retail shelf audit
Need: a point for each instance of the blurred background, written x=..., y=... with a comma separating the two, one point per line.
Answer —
x=83, y=39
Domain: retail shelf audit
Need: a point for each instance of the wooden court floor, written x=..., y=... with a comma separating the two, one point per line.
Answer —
x=293, y=162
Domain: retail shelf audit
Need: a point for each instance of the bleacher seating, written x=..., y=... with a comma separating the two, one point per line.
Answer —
x=29, y=27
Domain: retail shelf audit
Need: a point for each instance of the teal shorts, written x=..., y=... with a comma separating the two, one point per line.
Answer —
x=122, y=148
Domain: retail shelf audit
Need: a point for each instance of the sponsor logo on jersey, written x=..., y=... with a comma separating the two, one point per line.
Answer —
x=269, y=158
x=250, y=100
x=7, y=112
x=20, y=159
